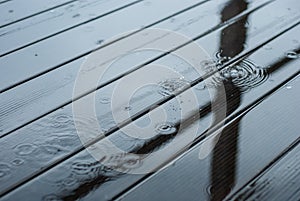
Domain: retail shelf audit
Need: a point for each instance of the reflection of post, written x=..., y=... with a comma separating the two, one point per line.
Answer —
x=225, y=151
x=233, y=36
x=223, y=165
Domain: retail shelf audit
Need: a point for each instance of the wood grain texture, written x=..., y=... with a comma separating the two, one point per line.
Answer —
x=105, y=183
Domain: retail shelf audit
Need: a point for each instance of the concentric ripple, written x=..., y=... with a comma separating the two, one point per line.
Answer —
x=245, y=75
x=166, y=129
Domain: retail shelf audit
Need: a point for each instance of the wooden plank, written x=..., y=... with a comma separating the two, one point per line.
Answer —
x=24, y=98
x=63, y=48
x=24, y=33
x=4, y=1
x=18, y=10
x=246, y=146
x=62, y=122
x=279, y=182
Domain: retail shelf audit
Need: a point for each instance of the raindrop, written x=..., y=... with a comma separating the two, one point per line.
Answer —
x=166, y=129
x=105, y=100
x=76, y=15
x=11, y=11
x=17, y=162
x=99, y=42
x=288, y=86
x=35, y=55
x=25, y=149
x=128, y=108
x=292, y=55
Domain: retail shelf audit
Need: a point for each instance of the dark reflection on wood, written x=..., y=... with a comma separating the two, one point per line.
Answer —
x=234, y=36
x=224, y=156
x=223, y=165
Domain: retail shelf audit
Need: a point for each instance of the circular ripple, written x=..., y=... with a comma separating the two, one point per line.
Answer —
x=166, y=129
x=17, y=162
x=25, y=149
x=245, y=75
x=292, y=55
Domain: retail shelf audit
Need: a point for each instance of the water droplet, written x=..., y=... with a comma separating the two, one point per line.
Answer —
x=76, y=15
x=17, y=162
x=172, y=19
x=166, y=129
x=11, y=11
x=292, y=55
x=25, y=149
x=35, y=55
x=128, y=108
x=289, y=87
x=172, y=86
x=99, y=42
x=105, y=100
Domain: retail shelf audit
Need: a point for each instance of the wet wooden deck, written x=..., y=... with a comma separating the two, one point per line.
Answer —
x=51, y=151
